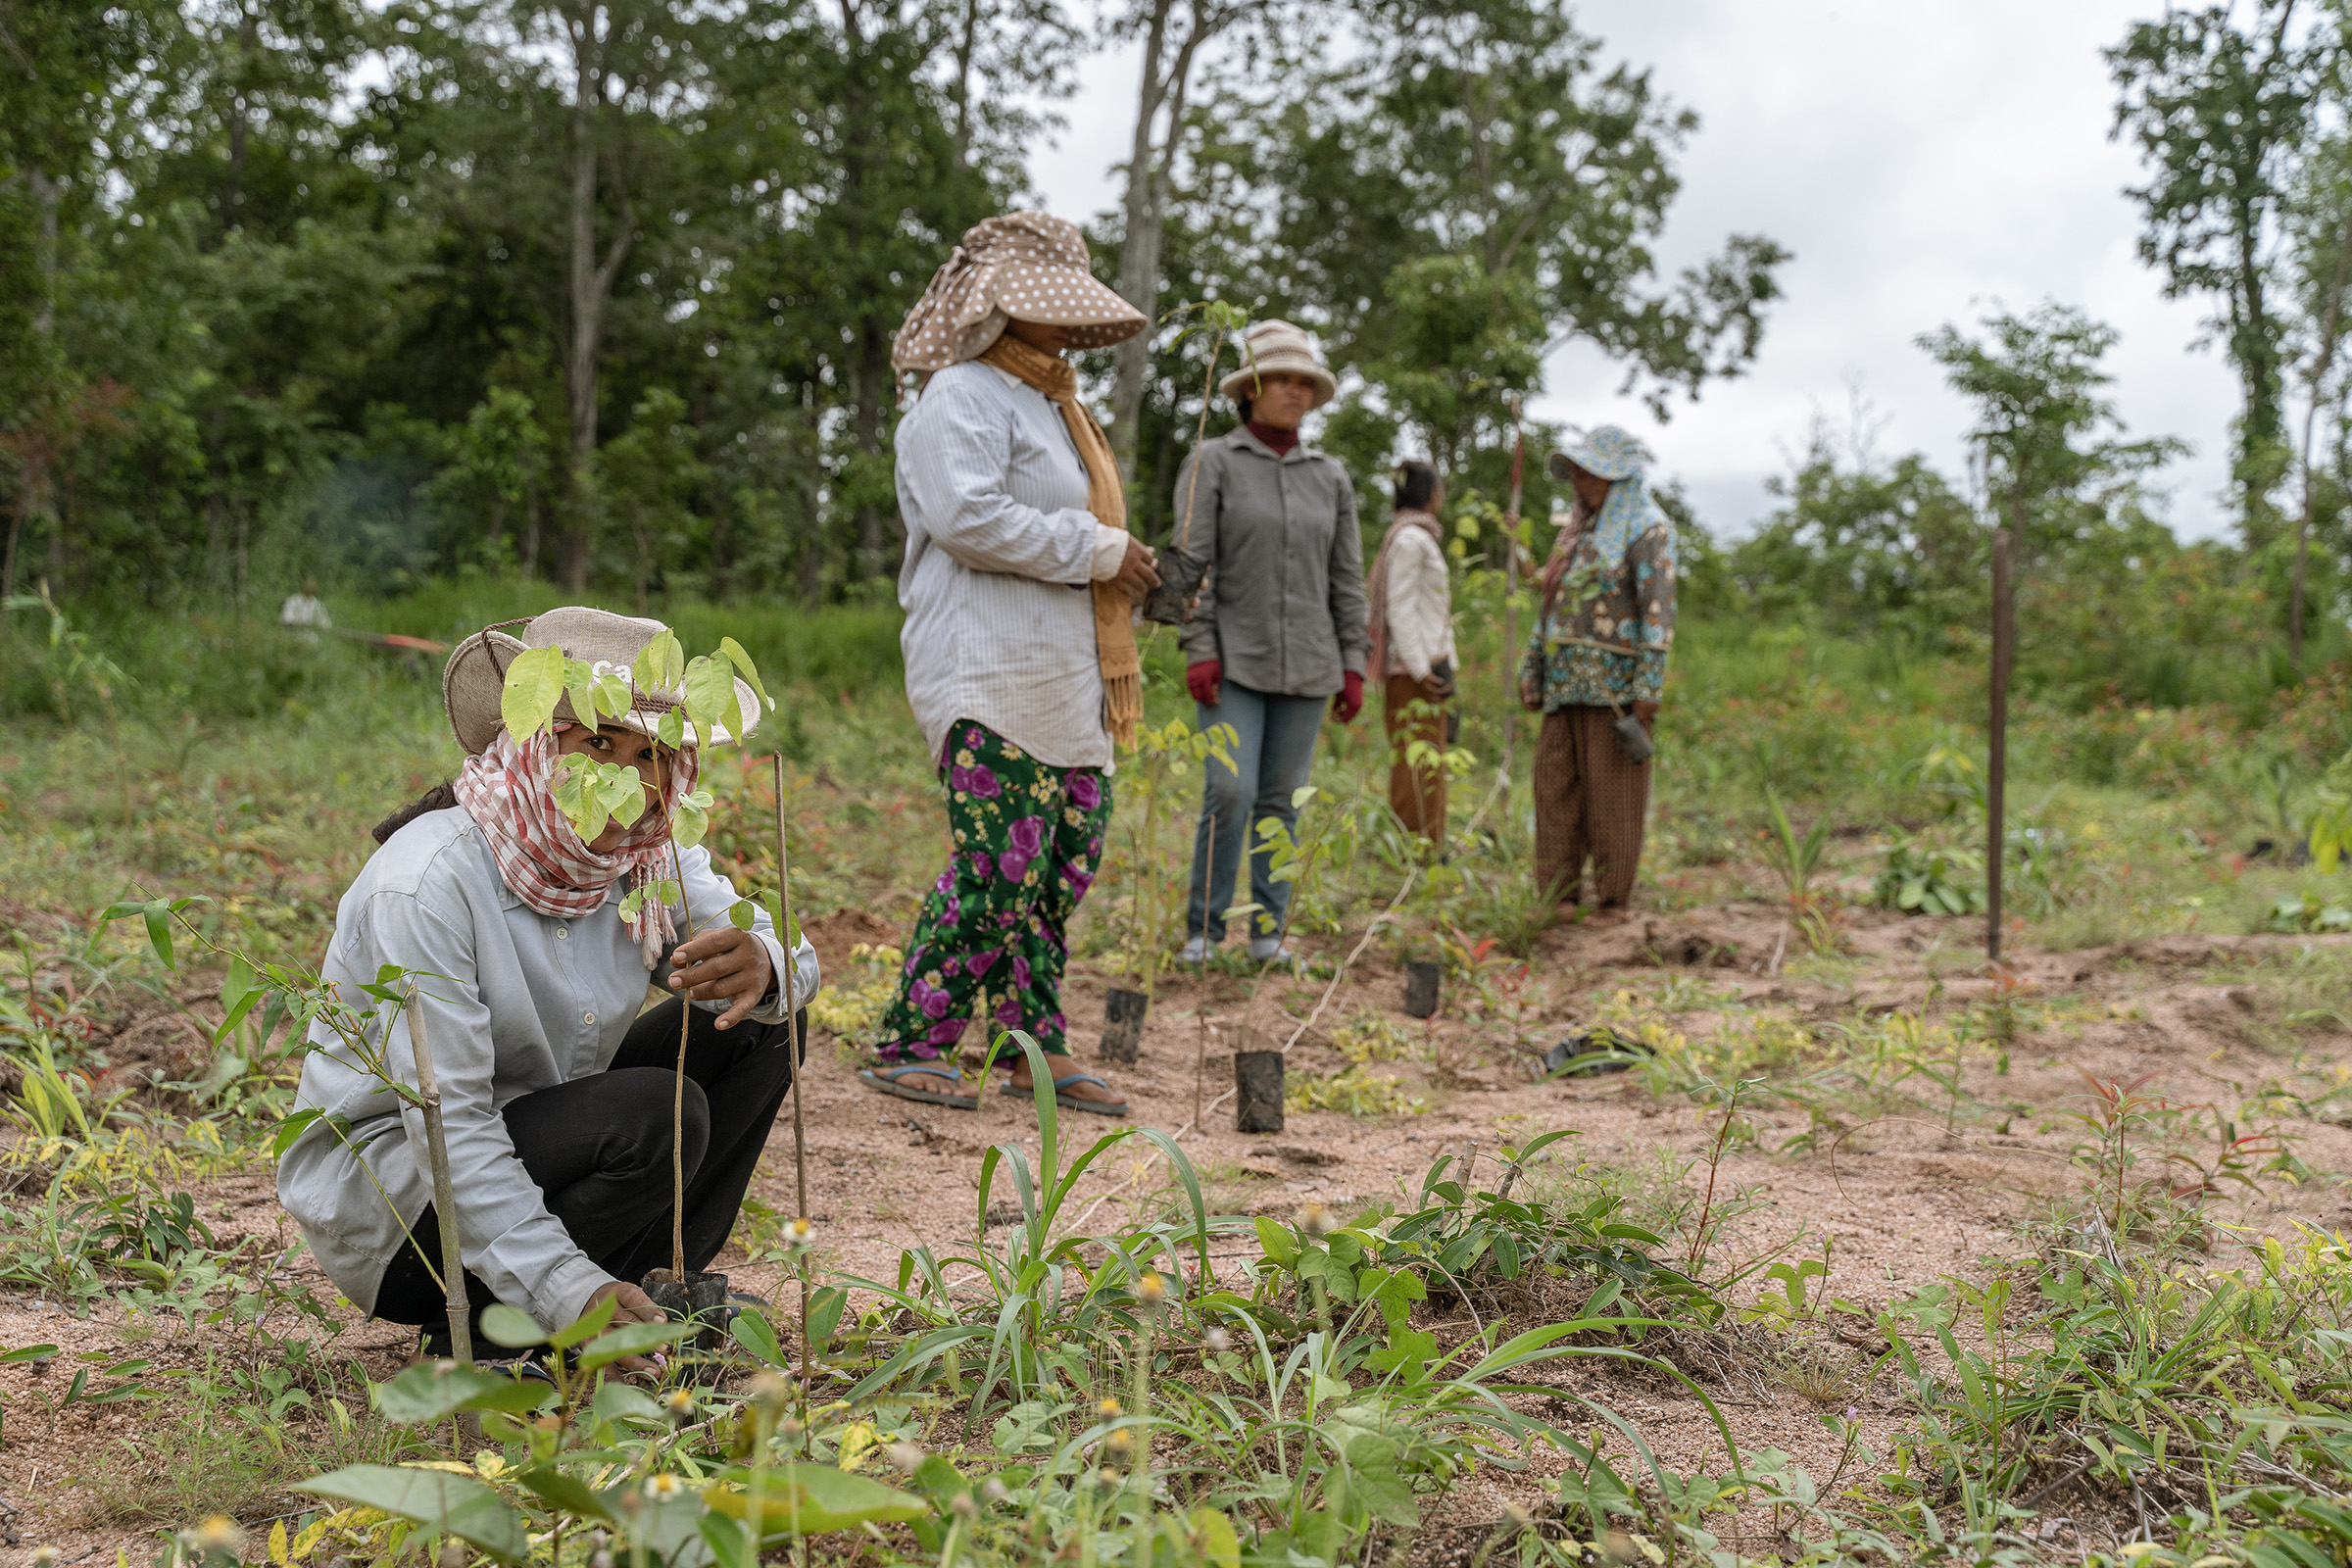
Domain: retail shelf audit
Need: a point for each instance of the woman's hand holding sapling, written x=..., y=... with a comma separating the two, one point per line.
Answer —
x=723, y=963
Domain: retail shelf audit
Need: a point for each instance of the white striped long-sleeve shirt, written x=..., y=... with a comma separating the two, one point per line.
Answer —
x=1001, y=555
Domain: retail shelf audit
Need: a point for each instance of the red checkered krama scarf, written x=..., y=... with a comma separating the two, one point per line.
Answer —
x=510, y=793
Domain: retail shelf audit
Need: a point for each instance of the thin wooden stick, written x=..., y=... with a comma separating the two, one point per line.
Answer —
x=445, y=1193
x=790, y=942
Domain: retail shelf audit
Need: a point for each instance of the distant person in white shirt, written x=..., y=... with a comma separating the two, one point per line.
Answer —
x=1411, y=634
x=1019, y=587
x=304, y=615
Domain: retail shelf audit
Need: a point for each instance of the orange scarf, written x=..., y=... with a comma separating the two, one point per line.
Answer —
x=1114, y=635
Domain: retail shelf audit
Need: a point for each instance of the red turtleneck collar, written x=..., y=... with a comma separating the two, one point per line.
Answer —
x=1280, y=440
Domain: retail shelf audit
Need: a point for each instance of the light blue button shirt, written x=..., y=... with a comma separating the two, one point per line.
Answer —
x=524, y=1002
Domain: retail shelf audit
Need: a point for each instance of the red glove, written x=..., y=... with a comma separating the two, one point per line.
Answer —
x=1203, y=681
x=1351, y=701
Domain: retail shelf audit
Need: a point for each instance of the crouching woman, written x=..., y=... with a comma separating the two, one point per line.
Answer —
x=556, y=1090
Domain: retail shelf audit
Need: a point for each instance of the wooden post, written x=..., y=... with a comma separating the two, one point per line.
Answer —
x=1510, y=594
x=1997, y=774
x=445, y=1196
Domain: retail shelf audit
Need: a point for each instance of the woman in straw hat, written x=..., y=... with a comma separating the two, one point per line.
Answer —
x=557, y=1093
x=1595, y=668
x=1277, y=633
x=1019, y=586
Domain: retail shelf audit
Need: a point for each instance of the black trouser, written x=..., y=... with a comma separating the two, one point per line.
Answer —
x=599, y=1148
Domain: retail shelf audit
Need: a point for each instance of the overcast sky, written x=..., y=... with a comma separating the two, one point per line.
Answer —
x=1924, y=160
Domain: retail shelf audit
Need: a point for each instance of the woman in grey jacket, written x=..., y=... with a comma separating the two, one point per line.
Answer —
x=1278, y=631
x=556, y=1090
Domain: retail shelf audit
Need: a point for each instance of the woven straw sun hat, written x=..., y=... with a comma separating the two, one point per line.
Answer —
x=477, y=673
x=1028, y=265
x=1606, y=451
x=1279, y=347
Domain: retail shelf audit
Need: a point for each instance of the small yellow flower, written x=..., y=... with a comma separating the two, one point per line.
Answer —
x=1107, y=1409
x=1151, y=1289
x=1317, y=1219
x=220, y=1533
x=678, y=1405
x=797, y=1229
x=1120, y=1442
x=663, y=1488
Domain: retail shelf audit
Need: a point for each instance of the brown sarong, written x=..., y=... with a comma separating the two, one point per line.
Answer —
x=1417, y=795
x=1590, y=800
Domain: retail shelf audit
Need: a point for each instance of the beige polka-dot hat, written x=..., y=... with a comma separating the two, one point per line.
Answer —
x=1032, y=266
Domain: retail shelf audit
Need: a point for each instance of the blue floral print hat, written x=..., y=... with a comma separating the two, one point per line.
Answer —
x=1606, y=452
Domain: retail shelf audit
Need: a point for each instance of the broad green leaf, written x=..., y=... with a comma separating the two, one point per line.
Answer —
x=426, y=1394
x=1375, y=1477
x=747, y=669
x=743, y=913
x=671, y=728
x=712, y=700
x=631, y=1338
x=534, y=683
x=564, y=1491
x=811, y=1499
x=579, y=686
x=753, y=1331
x=619, y=1401
x=660, y=664
x=613, y=696
x=28, y=1353
x=510, y=1327
x=727, y=1539
x=587, y=1326
x=825, y=1314
x=1212, y=1533
x=439, y=1499
x=691, y=820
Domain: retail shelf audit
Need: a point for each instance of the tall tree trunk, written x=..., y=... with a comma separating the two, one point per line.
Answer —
x=48, y=193
x=591, y=284
x=2330, y=324
x=232, y=206
x=869, y=372
x=967, y=43
x=1139, y=245
x=870, y=380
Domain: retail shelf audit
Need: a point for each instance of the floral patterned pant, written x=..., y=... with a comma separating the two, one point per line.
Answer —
x=990, y=936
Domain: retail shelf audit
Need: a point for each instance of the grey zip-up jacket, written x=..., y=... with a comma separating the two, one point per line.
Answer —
x=1283, y=609
x=518, y=1001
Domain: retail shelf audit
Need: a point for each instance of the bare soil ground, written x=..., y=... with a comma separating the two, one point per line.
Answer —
x=1903, y=1199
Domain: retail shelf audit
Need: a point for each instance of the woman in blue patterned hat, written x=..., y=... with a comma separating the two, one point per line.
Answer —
x=1597, y=657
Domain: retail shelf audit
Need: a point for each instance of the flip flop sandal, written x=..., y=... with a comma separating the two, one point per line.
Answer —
x=890, y=1080
x=1099, y=1108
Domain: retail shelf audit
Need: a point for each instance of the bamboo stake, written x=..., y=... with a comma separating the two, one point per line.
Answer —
x=790, y=942
x=445, y=1193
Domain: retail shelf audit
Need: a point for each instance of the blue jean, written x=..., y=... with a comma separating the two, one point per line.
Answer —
x=1272, y=757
